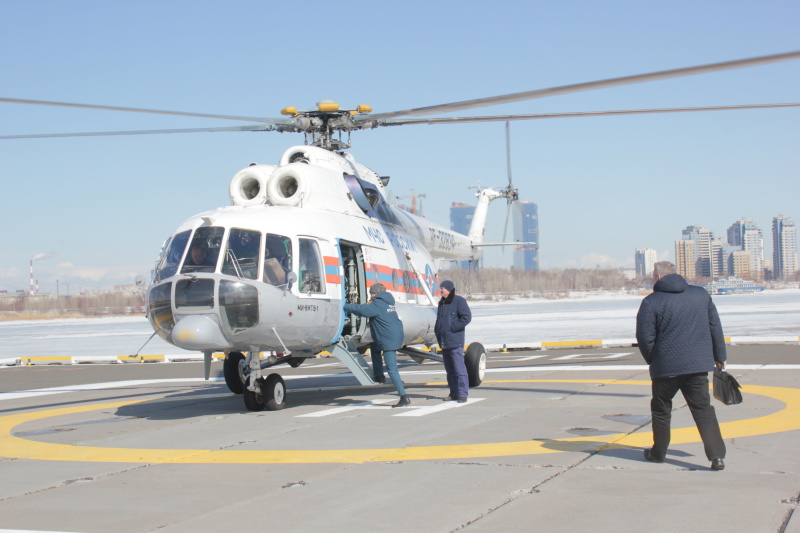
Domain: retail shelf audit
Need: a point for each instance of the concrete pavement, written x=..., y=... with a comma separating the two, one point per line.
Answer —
x=547, y=442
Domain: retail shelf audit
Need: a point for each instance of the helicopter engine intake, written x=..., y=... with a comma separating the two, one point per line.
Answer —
x=249, y=186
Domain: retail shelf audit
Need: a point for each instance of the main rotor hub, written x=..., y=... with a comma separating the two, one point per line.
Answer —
x=320, y=123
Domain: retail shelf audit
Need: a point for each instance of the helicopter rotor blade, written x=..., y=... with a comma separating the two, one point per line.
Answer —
x=505, y=225
x=566, y=89
x=138, y=110
x=508, y=155
x=576, y=114
x=260, y=127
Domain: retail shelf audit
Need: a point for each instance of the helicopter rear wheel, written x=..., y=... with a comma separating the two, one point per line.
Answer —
x=475, y=359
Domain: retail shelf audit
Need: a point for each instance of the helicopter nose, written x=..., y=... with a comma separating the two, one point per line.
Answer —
x=198, y=332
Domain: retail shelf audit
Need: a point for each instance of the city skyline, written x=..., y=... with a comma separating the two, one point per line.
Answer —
x=699, y=253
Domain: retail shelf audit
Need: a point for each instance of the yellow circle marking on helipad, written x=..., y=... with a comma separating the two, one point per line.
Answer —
x=786, y=419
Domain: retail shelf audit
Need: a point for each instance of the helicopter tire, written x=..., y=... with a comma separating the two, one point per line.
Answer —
x=254, y=401
x=273, y=392
x=294, y=362
x=232, y=373
x=475, y=360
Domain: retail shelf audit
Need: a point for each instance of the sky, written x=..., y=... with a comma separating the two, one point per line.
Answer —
x=96, y=210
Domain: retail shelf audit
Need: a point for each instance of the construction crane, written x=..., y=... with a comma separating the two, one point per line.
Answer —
x=413, y=196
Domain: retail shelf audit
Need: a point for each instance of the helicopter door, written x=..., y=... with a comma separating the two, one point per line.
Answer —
x=355, y=286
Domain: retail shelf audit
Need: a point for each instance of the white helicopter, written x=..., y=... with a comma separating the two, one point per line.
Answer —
x=270, y=273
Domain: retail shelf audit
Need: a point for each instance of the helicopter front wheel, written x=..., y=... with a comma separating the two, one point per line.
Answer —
x=270, y=394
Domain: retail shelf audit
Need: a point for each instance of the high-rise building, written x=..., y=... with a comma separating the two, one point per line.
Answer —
x=739, y=264
x=461, y=216
x=747, y=235
x=784, y=247
x=645, y=258
x=686, y=258
x=706, y=261
x=526, y=229
x=725, y=253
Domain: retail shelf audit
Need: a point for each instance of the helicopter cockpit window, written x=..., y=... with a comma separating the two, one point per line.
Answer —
x=203, y=250
x=168, y=265
x=241, y=256
x=277, y=259
x=311, y=275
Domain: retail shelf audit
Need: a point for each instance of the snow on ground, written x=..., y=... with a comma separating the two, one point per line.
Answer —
x=580, y=317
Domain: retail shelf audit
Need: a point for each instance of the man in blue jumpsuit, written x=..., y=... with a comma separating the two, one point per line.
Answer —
x=387, y=336
x=452, y=318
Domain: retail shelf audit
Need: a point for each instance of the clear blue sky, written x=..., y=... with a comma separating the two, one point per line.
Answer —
x=604, y=186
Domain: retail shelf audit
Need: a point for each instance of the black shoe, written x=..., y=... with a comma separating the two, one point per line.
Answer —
x=648, y=454
x=717, y=464
x=404, y=401
x=379, y=379
x=449, y=399
x=462, y=400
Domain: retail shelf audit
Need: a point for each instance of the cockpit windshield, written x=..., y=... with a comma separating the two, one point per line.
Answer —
x=168, y=265
x=204, y=250
x=241, y=256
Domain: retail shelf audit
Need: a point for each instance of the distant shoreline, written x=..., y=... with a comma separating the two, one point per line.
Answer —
x=477, y=299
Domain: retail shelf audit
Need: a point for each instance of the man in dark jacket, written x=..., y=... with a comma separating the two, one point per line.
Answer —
x=387, y=336
x=452, y=318
x=680, y=337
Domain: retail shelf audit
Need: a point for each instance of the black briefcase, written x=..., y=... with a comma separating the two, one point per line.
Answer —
x=726, y=388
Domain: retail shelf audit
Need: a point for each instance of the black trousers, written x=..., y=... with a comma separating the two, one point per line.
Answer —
x=695, y=391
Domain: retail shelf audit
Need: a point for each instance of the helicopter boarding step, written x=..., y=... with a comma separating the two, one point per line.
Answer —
x=347, y=354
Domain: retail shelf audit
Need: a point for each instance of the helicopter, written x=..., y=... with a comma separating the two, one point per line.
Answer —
x=271, y=272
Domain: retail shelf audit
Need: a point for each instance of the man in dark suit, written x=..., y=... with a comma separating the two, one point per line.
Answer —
x=452, y=317
x=680, y=337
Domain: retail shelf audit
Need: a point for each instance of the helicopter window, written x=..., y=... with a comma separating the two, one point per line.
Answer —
x=204, y=250
x=311, y=279
x=357, y=191
x=161, y=255
x=277, y=259
x=241, y=257
x=195, y=293
x=239, y=305
x=168, y=265
x=373, y=196
x=377, y=278
x=407, y=282
x=395, y=280
x=161, y=309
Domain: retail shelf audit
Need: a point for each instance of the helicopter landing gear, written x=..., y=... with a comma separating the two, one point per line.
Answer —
x=475, y=360
x=270, y=394
x=233, y=370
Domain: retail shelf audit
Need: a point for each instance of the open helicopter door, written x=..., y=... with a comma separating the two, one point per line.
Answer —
x=354, y=287
x=354, y=290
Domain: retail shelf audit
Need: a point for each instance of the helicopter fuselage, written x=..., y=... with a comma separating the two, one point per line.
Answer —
x=272, y=271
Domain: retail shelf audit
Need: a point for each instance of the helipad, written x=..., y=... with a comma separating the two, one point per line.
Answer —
x=15, y=447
